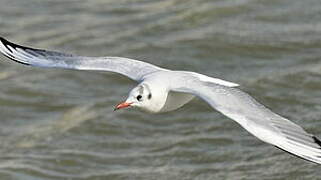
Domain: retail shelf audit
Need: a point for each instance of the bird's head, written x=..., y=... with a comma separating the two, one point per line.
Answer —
x=141, y=97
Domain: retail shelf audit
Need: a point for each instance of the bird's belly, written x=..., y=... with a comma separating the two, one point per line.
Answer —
x=176, y=100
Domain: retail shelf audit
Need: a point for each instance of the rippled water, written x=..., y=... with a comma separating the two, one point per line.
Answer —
x=60, y=124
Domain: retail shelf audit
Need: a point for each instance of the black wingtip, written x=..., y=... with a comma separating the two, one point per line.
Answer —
x=20, y=62
x=13, y=45
x=7, y=43
x=316, y=140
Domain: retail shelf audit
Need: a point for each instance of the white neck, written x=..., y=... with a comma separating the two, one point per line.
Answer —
x=159, y=96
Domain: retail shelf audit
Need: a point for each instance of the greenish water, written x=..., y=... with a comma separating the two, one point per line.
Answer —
x=60, y=124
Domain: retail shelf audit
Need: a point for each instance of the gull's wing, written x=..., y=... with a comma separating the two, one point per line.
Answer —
x=133, y=69
x=254, y=117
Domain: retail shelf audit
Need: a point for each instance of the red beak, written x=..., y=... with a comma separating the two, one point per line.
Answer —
x=122, y=105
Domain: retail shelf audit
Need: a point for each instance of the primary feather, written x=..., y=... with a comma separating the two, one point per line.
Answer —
x=131, y=68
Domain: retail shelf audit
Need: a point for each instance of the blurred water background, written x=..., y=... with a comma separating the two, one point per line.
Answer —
x=60, y=124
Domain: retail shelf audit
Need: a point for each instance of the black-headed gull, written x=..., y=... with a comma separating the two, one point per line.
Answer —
x=161, y=90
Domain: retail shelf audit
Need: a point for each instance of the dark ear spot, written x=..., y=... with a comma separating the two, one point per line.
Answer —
x=149, y=96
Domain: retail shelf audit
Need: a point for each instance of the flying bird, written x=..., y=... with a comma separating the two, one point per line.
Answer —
x=161, y=90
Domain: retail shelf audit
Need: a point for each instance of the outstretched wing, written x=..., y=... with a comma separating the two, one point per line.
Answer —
x=133, y=69
x=254, y=117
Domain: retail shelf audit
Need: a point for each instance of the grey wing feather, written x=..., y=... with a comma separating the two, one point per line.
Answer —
x=131, y=68
x=254, y=117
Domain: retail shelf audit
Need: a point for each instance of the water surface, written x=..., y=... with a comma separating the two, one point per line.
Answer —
x=60, y=124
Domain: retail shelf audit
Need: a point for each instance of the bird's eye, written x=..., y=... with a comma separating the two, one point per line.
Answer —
x=139, y=97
